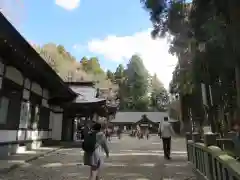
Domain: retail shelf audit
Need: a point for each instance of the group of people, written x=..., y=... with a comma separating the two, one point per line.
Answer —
x=109, y=133
x=140, y=133
x=96, y=140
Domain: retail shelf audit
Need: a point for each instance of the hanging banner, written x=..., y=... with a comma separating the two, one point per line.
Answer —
x=210, y=94
x=204, y=94
x=25, y=115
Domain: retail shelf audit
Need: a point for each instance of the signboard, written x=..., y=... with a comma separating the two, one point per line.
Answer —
x=25, y=115
x=144, y=125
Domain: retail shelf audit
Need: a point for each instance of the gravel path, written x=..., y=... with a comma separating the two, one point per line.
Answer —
x=130, y=159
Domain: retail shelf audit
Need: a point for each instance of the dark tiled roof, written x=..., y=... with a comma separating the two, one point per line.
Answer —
x=86, y=94
x=14, y=48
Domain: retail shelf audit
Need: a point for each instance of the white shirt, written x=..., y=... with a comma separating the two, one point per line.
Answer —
x=166, y=129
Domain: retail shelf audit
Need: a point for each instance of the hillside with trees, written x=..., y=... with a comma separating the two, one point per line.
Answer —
x=71, y=69
x=135, y=88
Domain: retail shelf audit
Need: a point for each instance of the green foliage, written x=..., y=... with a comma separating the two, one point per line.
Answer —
x=159, y=95
x=61, y=49
x=91, y=65
x=71, y=70
x=136, y=86
x=119, y=74
x=110, y=75
x=133, y=83
x=137, y=78
x=142, y=104
x=157, y=85
x=214, y=24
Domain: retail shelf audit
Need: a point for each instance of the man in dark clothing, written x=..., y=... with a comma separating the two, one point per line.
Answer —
x=119, y=132
x=85, y=130
x=236, y=139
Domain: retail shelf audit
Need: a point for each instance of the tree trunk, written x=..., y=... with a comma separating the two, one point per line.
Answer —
x=187, y=127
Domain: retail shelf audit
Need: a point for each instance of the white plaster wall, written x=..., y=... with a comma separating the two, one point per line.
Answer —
x=50, y=134
x=8, y=135
x=21, y=135
x=1, y=67
x=43, y=135
x=27, y=84
x=32, y=135
x=35, y=135
x=45, y=103
x=36, y=88
x=57, y=126
x=26, y=94
x=13, y=74
x=45, y=93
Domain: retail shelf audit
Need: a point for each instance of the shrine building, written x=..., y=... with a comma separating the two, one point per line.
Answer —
x=130, y=120
x=36, y=105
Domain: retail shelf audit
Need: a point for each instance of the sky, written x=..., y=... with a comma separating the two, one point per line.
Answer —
x=112, y=30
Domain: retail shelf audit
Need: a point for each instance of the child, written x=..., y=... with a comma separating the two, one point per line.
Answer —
x=94, y=158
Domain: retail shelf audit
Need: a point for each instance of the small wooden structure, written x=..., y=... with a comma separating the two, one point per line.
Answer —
x=86, y=107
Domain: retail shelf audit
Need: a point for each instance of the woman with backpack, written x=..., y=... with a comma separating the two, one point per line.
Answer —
x=93, y=144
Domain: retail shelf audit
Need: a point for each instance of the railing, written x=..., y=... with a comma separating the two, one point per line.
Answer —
x=211, y=163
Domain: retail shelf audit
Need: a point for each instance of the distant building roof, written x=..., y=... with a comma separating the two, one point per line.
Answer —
x=81, y=83
x=133, y=117
x=82, y=99
x=85, y=91
x=86, y=94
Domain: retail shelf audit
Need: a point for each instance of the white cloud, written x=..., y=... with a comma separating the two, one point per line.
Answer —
x=68, y=4
x=78, y=47
x=153, y=52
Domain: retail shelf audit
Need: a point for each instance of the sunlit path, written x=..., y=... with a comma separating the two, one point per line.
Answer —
x=130, y=159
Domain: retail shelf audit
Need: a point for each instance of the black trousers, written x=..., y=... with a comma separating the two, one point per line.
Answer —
x=166, y=146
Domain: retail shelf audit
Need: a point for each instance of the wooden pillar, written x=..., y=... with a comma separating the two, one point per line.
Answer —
x=72, y=128
x=64, y=126
x=67, y=127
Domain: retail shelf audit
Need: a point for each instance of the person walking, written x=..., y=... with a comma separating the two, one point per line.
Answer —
x=119, y=132
x=85, y=130
x=108, y=134
x=93, y=144
x=166, y=131
x=147, y=133
x=236, y=139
